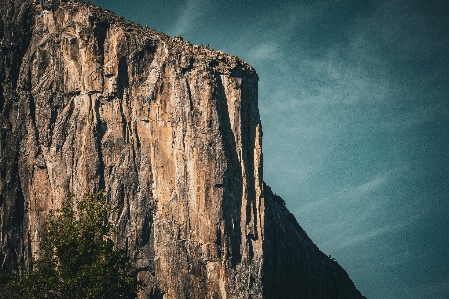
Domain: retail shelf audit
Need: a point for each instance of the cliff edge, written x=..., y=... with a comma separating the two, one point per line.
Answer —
x=171, y=131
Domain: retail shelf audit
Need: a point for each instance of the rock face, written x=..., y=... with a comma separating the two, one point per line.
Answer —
x=171, y=131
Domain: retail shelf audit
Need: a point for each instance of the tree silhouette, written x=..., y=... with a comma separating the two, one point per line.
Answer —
x=77, y=258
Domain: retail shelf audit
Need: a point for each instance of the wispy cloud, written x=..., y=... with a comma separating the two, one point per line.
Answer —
x=266, y=38
x=264, y=51
x=363, y=189
x=343, y=241
x=191, y=11
x=345, y=195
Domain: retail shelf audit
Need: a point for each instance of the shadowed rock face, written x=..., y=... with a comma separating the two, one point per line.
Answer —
x=171, y=131
x=293, y=266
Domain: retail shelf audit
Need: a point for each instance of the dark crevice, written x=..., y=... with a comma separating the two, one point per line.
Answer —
x=43, y=61
x=156, y=294
x=146, y=232
x=100, y=130
x=2, y=98
x=232, y=193
x=32, y=109
x=12, y=196
x=189, y=94
x=188, y=67
x=100, y=33
x=122, y=78
x=74, y=49
x=121, y=198
x=213, y=64
x=24, y=22
x=33, y=117
x=142, y=60
x=124, y=124
x=134, y=160
x=53, y=114
x=250, y=246
x=49, y=4
x=2, y=28
x=17, y=215
x=138, y=139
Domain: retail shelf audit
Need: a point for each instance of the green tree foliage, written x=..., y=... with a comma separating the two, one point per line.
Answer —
x=7, y=276
x=77, y=258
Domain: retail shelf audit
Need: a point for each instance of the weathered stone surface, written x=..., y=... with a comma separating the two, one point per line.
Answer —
x=171, y=131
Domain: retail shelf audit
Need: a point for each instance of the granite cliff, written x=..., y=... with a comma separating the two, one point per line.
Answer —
x=171, y=131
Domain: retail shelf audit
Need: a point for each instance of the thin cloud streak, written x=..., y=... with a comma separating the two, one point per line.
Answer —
x=278, y=26
x=343, y=242
x=346, y=194
x=192, y=10
x=265, y=51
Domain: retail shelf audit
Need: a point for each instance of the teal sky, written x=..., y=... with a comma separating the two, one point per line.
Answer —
x=353, y=97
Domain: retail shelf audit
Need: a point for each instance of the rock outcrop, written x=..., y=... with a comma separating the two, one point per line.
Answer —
x=171, y=131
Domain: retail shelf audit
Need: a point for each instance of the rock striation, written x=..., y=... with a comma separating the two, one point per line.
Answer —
x=171, y=131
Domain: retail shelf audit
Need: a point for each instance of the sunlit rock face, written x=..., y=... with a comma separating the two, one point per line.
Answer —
x=171, y=132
